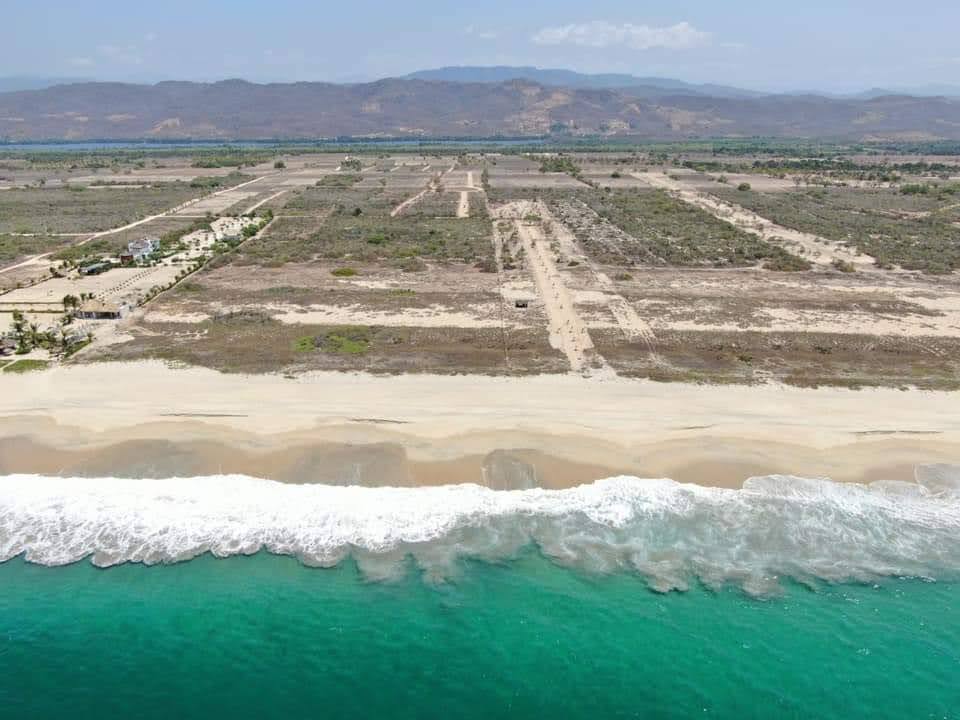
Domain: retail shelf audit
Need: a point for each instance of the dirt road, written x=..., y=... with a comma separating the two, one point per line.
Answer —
x=463, y=207
x=631, y=324
x=567, y=330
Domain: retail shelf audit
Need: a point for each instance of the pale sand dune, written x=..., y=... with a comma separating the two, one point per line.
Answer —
x=445, y=428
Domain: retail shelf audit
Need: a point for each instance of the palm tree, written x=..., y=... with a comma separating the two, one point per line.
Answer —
x=20, y=333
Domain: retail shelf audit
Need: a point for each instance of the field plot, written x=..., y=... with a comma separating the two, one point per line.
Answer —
x=808, y=329
x=644, y=226
x=448, y=318
x=14, y=248
x=355, y=224
x=596, y=263
x=257, y=343
x=406, y=179
x=436, y=204
x=915, y=232
x=61, y=210
x=337, y=281
x=513, y=177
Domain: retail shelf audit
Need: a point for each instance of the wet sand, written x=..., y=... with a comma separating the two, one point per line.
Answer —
x=148, y=420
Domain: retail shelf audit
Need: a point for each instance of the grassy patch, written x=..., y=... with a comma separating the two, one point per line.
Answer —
x=307, y=343
x=13, y=247
x=25, y=366
x=343, y=272
x=347, y=340
x=559, y=164
x=339, y=180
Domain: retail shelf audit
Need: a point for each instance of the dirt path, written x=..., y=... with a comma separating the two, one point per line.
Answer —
x=567, y=330
x=80, y=234
x=431, y=187
x=631, y=324
x=816, y=249
x=463, y=207
x=499, y=240
x=254, y=207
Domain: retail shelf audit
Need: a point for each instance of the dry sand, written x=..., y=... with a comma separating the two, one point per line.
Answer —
x=146, y=419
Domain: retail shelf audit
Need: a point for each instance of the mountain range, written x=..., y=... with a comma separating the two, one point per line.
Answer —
x=478, y=105
x=571, y=79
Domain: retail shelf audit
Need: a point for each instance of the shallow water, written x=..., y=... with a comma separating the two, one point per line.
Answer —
x=264, y=637
x=799, y=598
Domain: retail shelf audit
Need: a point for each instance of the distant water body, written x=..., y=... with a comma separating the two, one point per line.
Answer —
x=800, y=598
x=291, y=145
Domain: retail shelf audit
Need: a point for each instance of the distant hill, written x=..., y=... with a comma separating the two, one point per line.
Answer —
x=236, y=109
x=14, y=83
x=571, y=79
x=921, y=91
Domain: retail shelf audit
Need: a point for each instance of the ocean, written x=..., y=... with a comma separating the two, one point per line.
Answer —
x=791, y=598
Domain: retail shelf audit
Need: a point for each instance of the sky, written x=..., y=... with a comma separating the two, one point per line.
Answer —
x=831, y=46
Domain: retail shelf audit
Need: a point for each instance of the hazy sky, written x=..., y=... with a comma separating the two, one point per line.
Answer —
x=830, y=45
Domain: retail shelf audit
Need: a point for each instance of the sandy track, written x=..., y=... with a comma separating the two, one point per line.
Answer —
x=568, y=332
x=816, y=249
x=463, y=207
x=629, y=321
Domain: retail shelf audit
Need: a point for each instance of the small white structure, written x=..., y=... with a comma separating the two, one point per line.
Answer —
x=143, y=248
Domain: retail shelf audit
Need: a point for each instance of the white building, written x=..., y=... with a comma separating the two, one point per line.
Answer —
x=143, y=248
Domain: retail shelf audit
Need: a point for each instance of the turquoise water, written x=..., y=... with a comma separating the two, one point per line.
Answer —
x=265, y=637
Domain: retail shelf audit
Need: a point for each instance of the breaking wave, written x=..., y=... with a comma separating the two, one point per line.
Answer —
x=670, y=533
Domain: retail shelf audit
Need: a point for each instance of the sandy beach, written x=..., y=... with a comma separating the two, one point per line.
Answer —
x=150, y=420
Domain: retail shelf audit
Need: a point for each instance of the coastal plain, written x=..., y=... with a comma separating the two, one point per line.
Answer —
x=515, y=319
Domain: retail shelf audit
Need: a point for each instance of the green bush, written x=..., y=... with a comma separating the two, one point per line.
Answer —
x=347, y=340
x=785, y=262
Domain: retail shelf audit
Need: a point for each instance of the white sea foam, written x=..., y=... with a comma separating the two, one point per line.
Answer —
x=670, y=533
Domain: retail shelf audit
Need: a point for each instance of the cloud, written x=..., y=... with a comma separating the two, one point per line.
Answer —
x=81, y=62
x=602, y=34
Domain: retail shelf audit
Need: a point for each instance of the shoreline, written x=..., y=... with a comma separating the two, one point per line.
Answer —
x=146, y=419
